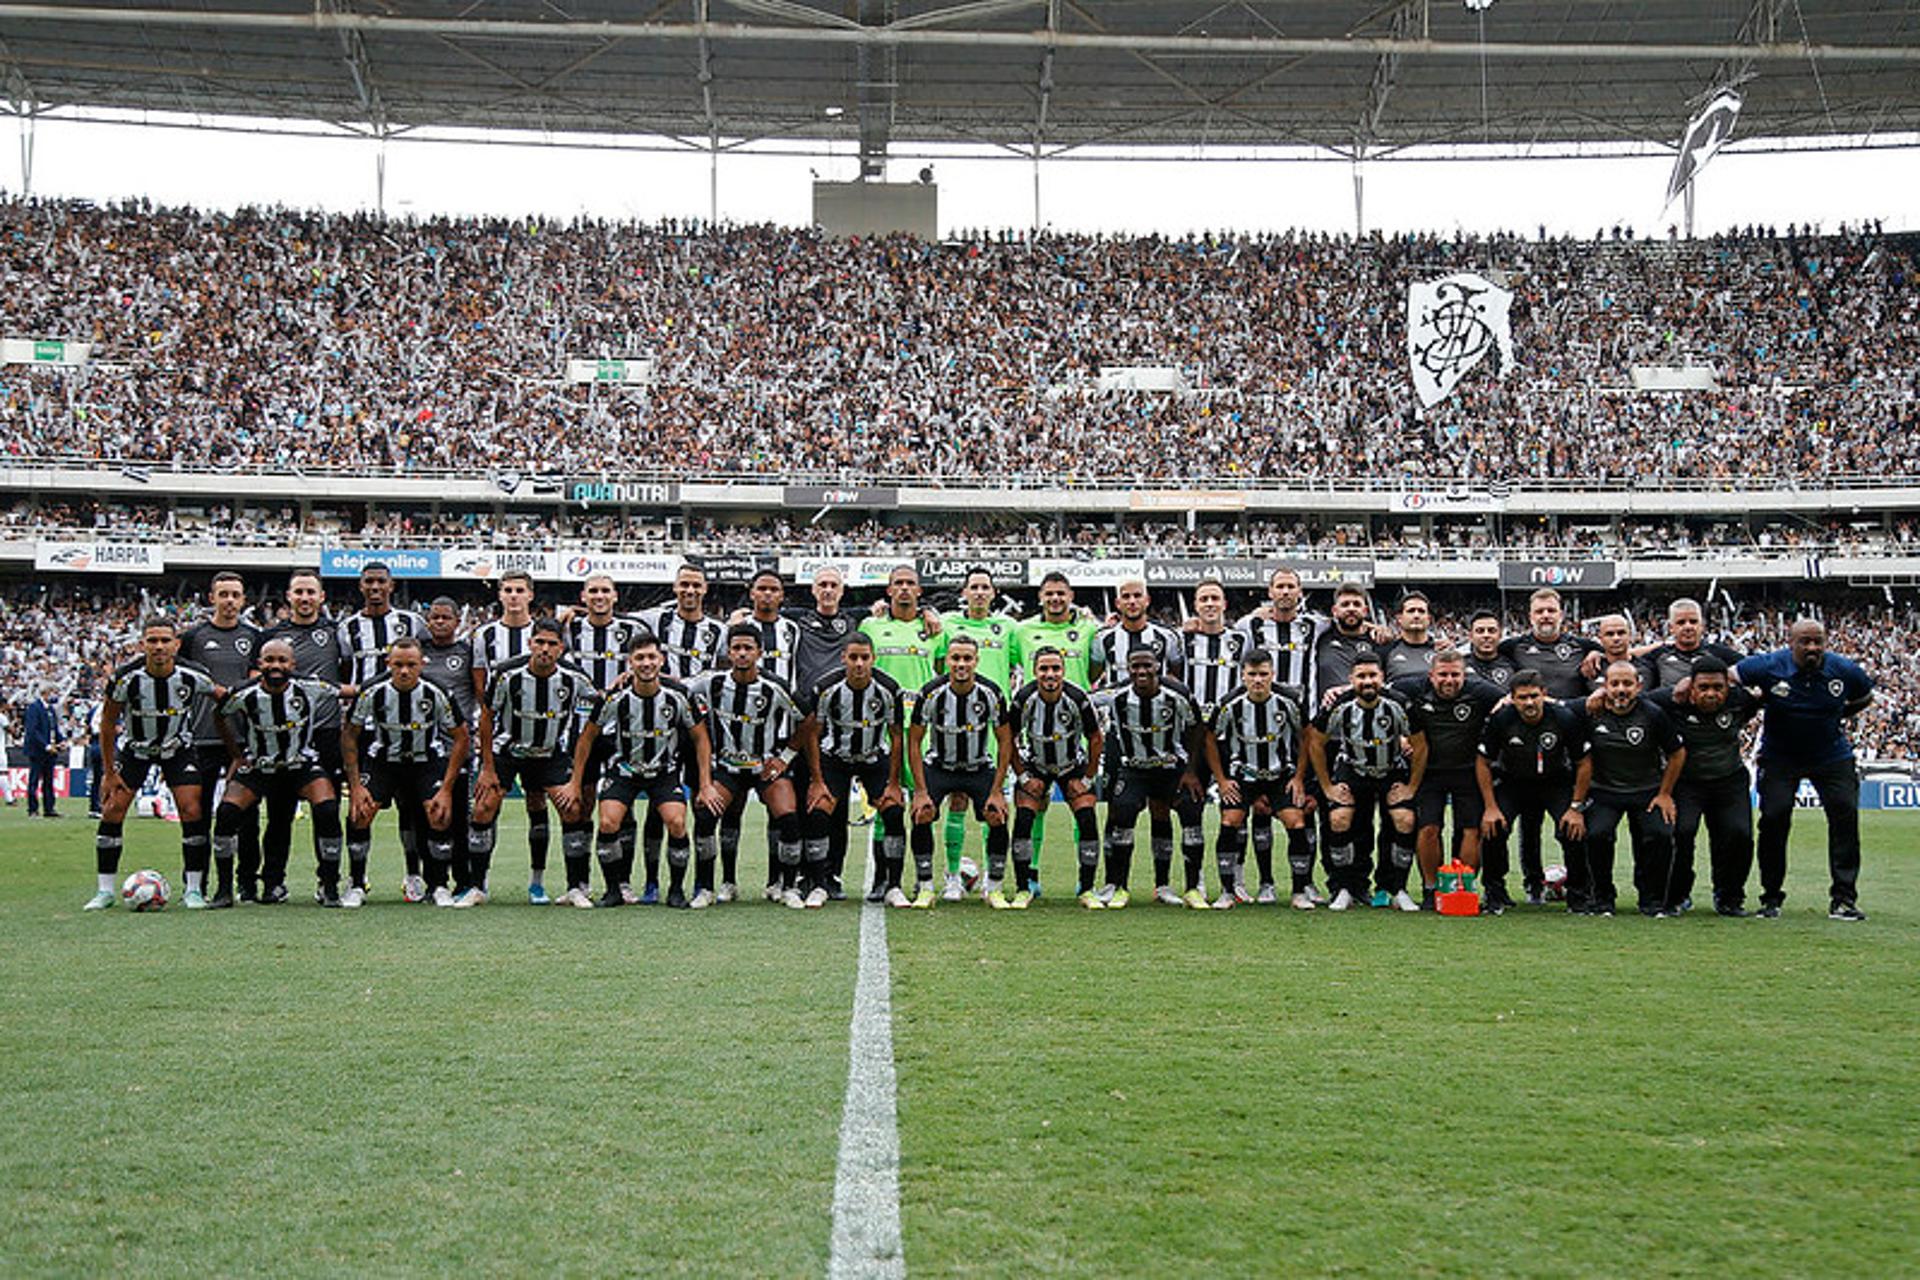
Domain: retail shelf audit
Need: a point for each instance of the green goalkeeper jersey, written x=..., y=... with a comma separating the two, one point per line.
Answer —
x=1073, y=638
x=996, y=637
x=903, y=651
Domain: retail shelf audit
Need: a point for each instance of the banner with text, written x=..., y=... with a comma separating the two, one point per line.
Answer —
x=1562, y=575
x=735, y=566
x=1254, y=574
x=814, y=495
x=951, y=571
x=485, y=565
x=346, y=562
x=624, y=493
x=1087, y=573
x=855, y=571
x=577, y=564
x=100, y=557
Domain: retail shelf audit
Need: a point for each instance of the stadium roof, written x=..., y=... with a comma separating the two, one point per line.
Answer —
x=1049, y=75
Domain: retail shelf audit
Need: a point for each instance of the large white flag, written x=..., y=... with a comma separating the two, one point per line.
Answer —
x=1706, y=133
x=1452, y=323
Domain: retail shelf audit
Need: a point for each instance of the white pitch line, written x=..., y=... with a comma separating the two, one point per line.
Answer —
x=866, y=1188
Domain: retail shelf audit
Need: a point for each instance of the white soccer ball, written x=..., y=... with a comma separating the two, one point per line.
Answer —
x=1555, y=877
x=970, y=874
x=145, y=891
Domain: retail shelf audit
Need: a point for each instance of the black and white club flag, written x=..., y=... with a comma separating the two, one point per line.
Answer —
x=1452, y=323
x=1706, y=133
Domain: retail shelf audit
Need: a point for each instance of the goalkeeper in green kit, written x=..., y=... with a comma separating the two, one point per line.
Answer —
x=994, y=635
x=1060, y=626
x=903, y=649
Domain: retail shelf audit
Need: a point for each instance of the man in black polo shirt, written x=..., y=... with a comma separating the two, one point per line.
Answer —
x=1447, y=711
x=1709, y=712
x=1528, y=755
x=1634, y=758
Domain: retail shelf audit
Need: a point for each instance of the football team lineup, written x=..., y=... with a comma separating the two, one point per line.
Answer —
x=1349, y=741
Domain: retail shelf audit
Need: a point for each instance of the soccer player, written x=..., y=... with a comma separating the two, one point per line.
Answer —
x=1064, y=629
x=1210, y=652
x=1614, y=634
x=365, y=638
x=1634, y=758
x=534, y=704
x=1258, y=728
x=1667, y=664
x=1483, y=649
x=1356, y=748
x=1554, y=652
x=1347, y=635
x=1448, y=713
x=1286, y=631
x=993, y=637
x=403, y=742
x=227, y=649
x=1134, y=633
x=447, y=663
x=268, y=725
x=632, y=744
x=825, y=629
x=903, y=650
x=1713, y=786
x=692, y=644
x=1810, y=694
x=1160, y=746
x=1057, y=742
x=507, y=637
x=1411, y=652
x=750, y=718
x=852, y=729
x=779, y=658
x=317, y=655
x=1529, y=752
x=154, y=699
x=600, y=644
x=959, y=747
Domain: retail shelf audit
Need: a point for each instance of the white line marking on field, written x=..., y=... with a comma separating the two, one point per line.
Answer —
x=866, y=1189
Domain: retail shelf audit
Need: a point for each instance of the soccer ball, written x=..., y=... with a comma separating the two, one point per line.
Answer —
x=1555, y=877
x=970, y=874
x=145, y=891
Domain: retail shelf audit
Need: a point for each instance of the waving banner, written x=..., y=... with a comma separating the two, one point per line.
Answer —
x=1452, y=323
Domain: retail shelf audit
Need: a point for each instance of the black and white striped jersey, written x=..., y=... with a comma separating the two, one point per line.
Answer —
x=961, y=727
x=600, y=649
x=1053, y=737
x=157, y=713
x=1365, y=740
x=1115, y=644
x=749, y=723
x=276, y=725
x=779, y=648
x=495, y=644
x=1212, y=666
x=1259, y=740
x=534, y=716
x=647, y=729
x=691, y=645
x=1290, y=642
x=404, y=726
x=317, y=655
x=854, y=723
x=1151, y=733
x=365, y=639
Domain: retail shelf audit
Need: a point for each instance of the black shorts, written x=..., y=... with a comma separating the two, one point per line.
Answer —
x=738, y=782
x=840, y=775
x=534, y=773
x=403, y=782
x=181, y=769
x=289, y=782
x=1344, y=775
x=1441, y=785
x=630, y=788
x=1253, y=790
x=1140, y=787
x=975, y=784
x=326, y=746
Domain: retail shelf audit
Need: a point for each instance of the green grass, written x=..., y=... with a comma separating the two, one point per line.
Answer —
x=1153, y=1092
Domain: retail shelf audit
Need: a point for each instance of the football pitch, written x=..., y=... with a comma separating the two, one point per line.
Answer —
x=517, y=1090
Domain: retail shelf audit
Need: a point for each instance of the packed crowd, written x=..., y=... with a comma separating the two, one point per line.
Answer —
x=71, y=639
x=305, y=340
x=227, y=525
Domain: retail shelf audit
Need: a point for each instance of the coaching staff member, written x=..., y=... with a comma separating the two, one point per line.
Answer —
x=1808, y=693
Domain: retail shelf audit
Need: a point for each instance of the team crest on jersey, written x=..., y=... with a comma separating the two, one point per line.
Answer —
x=1635, y=734
x=1548, y=741
x=1781, y=689
x=1836, y=687
x=1724, y=719
x=1462, y=710
x=320, y=637
x=244, y=644
x=455, y=662
x=1563, y=651
x=1073, y=635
